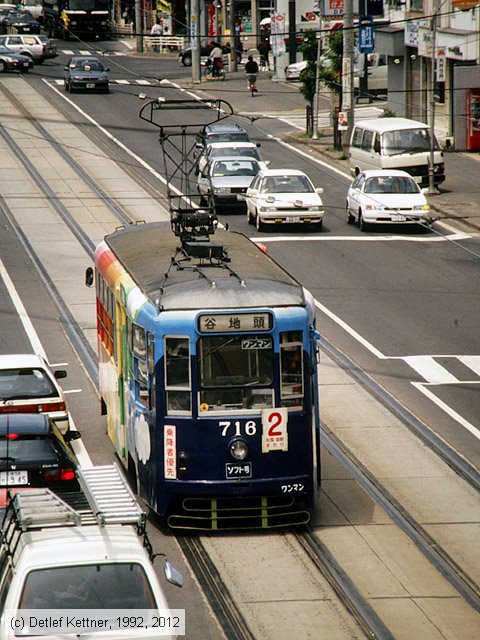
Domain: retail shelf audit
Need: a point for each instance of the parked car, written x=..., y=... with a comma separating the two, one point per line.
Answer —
x=225, y=149
x=225, y=178
x=34, y=453
x=28, y=384
x=22, y=22
x=37, y=47
x=293, y=71
x=283, y=196
x=5, y=9
x=185, y=55
x=386, y=197
x=10, y=61
x=86, y=73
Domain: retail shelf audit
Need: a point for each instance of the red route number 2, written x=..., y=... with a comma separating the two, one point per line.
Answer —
x=274, y=430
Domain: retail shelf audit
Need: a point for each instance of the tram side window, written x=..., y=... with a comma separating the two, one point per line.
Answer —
x=177, y=375
x=291, y=363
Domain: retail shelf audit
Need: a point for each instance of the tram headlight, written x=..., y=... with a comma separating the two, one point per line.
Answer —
x=238, y=450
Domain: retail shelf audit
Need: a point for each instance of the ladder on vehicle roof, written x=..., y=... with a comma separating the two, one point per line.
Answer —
x=107, y=492
x=109, y=496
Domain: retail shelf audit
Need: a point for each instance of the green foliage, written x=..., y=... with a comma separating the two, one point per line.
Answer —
x=330, y=68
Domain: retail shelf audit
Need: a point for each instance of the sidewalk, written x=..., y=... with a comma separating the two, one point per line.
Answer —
x=459, y=198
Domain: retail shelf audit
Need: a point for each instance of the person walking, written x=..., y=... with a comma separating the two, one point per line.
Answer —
x=156, y=32
x=263, y=50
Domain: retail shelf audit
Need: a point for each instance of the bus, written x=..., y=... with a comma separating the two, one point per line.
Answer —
x=208, y=377
x=76, y=18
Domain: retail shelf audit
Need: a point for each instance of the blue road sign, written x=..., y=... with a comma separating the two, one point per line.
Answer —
x=366, y=42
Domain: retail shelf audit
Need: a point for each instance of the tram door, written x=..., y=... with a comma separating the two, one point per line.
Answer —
x=473, y=119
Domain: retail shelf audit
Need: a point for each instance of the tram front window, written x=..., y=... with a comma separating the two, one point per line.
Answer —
x=231, y=368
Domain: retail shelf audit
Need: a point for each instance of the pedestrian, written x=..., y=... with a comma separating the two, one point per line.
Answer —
x=251, y=68
x=156, y=32
x=263, y=50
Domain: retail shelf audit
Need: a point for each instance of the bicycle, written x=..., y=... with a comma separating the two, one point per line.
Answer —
x=218, y=73
x=252, y=81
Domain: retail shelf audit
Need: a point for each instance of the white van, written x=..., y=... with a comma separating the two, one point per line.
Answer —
x=395, y=143
x=377, y=73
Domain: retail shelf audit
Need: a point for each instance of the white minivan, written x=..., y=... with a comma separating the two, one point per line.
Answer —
x=395, y=143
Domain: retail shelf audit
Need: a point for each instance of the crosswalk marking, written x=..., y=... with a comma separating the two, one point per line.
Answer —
x=139, y=82
x=472, y=362
x=430, y=370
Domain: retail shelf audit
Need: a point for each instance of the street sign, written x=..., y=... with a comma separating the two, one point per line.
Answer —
x=366, y=43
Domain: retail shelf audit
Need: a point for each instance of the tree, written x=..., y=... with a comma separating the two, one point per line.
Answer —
x=329, y=73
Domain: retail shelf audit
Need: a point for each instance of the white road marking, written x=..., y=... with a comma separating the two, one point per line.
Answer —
x=376, y=238
x=429, y=369
x=448, y=410
x=22, y=313
x=472, y=362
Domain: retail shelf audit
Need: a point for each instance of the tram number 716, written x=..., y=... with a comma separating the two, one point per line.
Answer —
x=230, y=428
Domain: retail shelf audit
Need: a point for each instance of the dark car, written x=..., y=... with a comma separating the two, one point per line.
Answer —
x=33, y=453
x=86, y=73
x=22, y=21
x=223, y=133
x=10, y=61
x=185, y=55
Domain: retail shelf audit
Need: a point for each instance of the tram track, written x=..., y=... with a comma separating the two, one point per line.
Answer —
x=216, y=591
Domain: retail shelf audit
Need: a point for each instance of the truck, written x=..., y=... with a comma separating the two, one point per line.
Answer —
x=76, y=18
x=85, y=551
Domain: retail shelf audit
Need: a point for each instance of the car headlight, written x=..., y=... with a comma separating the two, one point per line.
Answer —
x=238, y=450
x=421, y=207
x=267, y=209
x=315, y=207
x=375, y=207
x=221, y=190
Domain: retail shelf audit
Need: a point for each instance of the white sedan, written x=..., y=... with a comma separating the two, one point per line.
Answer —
x=293, y=71
x=29, y=385
x=386, y=196
x=283, y=196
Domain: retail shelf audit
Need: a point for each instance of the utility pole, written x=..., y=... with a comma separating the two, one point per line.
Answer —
x=347, y=73
x=195, y=40
x=139, y=25
x=317, y=85
x=234, y=38
x=432, y=190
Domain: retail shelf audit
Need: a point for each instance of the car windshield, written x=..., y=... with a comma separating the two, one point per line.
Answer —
x=95, y=586
x=249, y=152
x=25, y=383
x=87, y=65
x=391, y=184
x=235, y=168
x=226, y=137
x=286, y=184
x=407, y=141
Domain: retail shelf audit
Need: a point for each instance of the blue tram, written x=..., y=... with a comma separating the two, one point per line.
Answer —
x=208, y=376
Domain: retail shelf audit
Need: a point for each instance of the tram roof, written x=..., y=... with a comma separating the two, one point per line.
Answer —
x=146, y=252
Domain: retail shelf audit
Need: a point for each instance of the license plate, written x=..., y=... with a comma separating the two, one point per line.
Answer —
x=396, y=217
x=25, y=64
x=90, y=85
x=290, y=219
x=238, y=470
x=26, y=29
x=13, y=478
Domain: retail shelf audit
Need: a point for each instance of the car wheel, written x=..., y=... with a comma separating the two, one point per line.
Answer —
x=362, y=224
x=350, y=216
x=249, y=216
x=3, y=66
x=258, y=223
x=187, y=60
